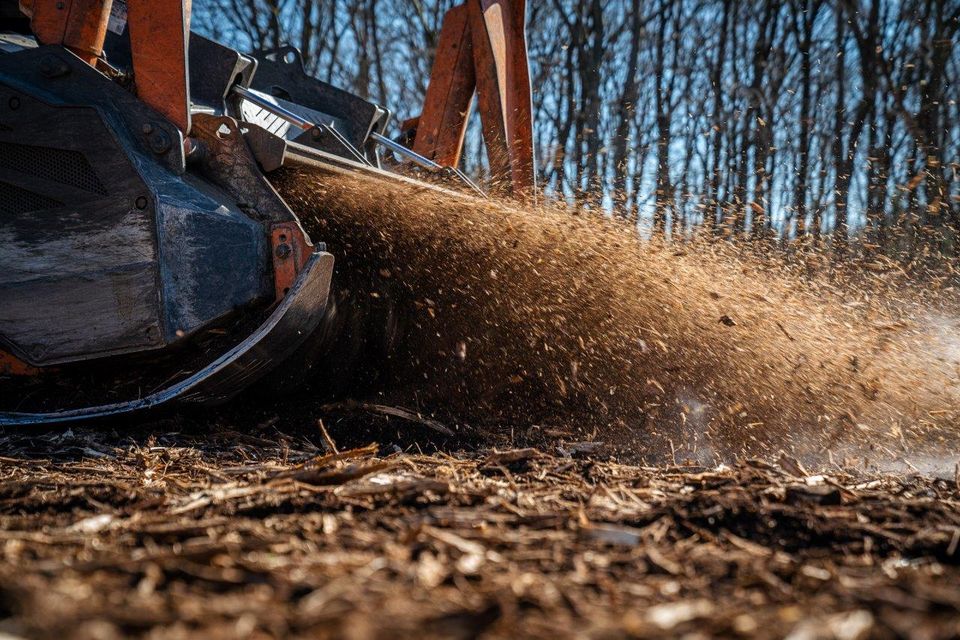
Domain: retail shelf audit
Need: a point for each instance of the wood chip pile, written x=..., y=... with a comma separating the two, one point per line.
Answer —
x=233, y=535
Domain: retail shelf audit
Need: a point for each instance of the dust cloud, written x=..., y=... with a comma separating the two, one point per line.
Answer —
x=539, y=321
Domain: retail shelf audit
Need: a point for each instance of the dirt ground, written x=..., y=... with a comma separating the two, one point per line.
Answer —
x=183, y=530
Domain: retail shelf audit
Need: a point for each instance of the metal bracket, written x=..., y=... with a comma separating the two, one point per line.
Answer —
x=284, y=331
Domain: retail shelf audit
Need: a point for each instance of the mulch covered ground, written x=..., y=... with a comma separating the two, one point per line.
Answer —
x=193, y=533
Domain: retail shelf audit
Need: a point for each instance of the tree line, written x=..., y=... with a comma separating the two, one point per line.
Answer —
x=836, y=121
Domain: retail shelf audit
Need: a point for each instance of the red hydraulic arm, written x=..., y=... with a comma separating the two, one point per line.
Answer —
x=79, y=25
x=159, y=37
x=159, y=34
x=482, y=48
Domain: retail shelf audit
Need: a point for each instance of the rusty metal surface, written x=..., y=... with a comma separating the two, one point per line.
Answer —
x=503, y=90
x=10, y=365
x=482, y=49
x=214, y=237
x=446, y=107
x=87, y=28
x=159, y=32
x=229, y=163
x=79, y=25
x=290, y=249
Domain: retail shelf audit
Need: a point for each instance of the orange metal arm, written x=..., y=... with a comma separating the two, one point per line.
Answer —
x=482, y=47
x=446, y=106
x=79, y=25
x=159, y=34
x=503, y=89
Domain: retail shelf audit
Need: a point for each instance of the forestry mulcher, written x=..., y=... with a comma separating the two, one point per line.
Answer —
x=146, y=258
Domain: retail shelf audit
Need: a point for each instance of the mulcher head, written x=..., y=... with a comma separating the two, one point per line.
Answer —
x=145, y=257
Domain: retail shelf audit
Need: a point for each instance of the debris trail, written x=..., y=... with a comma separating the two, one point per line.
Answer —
x=511, y=318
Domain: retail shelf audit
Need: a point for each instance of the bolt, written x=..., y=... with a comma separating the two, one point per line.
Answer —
x=141, y=202
x=14, y=103
x=52, y=66
x=283, y=251
x=159, y=142
x=147, y=128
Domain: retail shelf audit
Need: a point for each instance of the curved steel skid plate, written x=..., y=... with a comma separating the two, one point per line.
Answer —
x=284, y=331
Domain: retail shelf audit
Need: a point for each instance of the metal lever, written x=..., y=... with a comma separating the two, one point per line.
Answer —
x=273, y=108
x=424, y=162
x=297, y=121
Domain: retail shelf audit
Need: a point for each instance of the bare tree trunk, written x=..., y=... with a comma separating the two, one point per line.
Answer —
x=868, y=43
x=590, y=60
x=936, y=51
x=766, y=84
x=626, y=110
x=664, y=194
x=716, y=82
x=804, y=18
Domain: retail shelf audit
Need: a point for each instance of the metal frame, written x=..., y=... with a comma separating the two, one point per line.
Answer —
x=188, y=156
x=298, y=314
